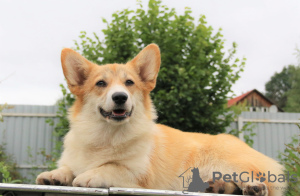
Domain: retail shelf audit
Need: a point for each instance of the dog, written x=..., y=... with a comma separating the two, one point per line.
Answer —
x=114, y=141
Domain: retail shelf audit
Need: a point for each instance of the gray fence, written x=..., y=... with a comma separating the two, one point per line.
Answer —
x=273, y=130
x=25, y=132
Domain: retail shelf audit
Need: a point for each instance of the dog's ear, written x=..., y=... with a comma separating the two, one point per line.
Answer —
x=147, y=64
x=76, y=69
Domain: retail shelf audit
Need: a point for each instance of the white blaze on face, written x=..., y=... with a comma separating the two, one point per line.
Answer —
x=109, y=104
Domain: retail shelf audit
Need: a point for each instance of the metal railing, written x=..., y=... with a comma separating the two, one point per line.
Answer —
x=45, y=190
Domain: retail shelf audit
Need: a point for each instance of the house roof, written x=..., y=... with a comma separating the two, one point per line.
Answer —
x=233, y=101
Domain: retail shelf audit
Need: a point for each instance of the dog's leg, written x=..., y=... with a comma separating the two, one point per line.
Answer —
x=109, y=175
x=255, y=188
x=62, y=176
x=221, y=187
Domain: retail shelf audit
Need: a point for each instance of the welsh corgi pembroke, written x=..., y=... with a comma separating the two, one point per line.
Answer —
x=114, y=141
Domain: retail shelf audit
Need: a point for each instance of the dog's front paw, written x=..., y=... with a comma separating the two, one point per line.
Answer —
x=216, y=187
x=256, y=188
x=222, y=187
x=92, y=179
x=59, y=177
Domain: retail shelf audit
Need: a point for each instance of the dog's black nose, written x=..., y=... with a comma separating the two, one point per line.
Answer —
x=119, y=98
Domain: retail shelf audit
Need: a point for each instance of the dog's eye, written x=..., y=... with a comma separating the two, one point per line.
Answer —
x=101, y=83
x=129, y=83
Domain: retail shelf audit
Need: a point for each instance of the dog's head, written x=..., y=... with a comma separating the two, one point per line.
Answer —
x=112, y=92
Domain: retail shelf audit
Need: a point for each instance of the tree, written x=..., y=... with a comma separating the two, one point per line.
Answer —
x=196, y=74
x=284, y=87
x=278, y=86
x=293, y=101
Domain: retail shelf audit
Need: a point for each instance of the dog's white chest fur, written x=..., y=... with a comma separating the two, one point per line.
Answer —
x=91, y=146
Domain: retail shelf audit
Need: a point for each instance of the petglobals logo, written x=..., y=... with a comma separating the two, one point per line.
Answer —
x=192, y=182
x=250, y=177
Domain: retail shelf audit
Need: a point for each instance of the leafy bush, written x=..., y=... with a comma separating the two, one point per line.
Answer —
x=8, y=170
x=291, y=160
x=61, y=127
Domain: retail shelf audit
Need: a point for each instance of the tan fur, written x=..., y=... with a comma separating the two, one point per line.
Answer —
x=136, y=152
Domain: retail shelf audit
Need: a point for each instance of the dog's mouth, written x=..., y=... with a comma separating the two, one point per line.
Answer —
x=117, y=114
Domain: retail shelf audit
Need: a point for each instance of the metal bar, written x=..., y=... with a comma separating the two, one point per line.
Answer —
x=28, y=115
x=135, y=191
x=31, y=189
x=52, y=189
x=240, y=127
x=31, y=166
x=272, y=121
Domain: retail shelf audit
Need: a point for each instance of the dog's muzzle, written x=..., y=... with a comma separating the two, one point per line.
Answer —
x=116, y=114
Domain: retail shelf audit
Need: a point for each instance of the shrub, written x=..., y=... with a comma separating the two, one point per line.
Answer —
x=8, y=170
x=291, y=160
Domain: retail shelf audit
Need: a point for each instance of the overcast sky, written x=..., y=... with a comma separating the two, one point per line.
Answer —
x=33, y=32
